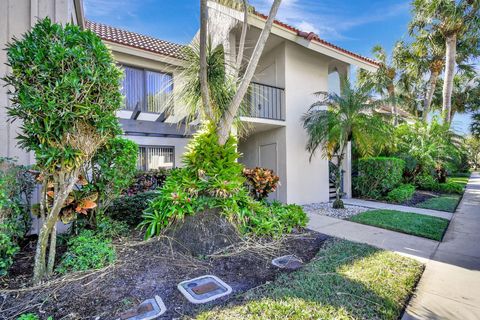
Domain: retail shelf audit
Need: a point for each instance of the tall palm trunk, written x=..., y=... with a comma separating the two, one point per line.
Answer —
x=432, y=83
x=450, y=56
x=391, y=95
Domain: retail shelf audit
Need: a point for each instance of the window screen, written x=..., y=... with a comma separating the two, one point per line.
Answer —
x=151, y=158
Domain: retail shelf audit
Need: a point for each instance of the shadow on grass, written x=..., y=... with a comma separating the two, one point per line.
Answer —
x=346, y=280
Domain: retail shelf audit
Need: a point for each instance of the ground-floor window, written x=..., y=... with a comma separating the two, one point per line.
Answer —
x=151, y=158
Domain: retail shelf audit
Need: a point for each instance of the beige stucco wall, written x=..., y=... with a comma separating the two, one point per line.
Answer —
x=16, y=17
x=306, y=72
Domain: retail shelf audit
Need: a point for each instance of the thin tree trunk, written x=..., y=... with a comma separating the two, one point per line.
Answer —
x=427, y=102
x=52, y=249
x=204, y=89
x=450, y=56
x=391, y=94
x=226, y=122
x=338, y=204
x=241, y=47
x=63, y=186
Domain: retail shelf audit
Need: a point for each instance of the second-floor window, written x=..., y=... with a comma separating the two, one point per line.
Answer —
x=149, y=91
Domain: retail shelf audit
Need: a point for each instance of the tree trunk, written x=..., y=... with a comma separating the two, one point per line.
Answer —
x=241, y=47
x=427, y=102
x=52, y=250
x=64, y=184
x=450, y=56
x=391, y=95
x=204, y=89
x=225, y=125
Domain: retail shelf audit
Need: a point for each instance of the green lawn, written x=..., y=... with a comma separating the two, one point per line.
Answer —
x=406, y=222
x=345, y=281
x=460, y=180
x=443, y=203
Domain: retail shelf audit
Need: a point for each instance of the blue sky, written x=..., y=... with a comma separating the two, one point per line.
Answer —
x=356, y=25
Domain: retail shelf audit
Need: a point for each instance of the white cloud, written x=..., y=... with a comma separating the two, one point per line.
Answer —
x=308, y=27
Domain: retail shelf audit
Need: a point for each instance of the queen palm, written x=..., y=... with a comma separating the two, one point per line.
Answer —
x=456, y=21
x=348, y=117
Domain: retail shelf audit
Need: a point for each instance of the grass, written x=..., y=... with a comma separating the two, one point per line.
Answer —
x=345, y=281
x=406, y=222
x=460, y=180
x=443, y=203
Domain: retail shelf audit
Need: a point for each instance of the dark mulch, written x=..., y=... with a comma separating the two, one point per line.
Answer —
x=420, y=196
x=145, y=269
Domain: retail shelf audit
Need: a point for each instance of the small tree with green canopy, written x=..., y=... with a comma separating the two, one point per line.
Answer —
x=348, y=117
x=65, y=93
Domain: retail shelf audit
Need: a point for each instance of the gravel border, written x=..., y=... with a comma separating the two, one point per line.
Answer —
x=325, y=209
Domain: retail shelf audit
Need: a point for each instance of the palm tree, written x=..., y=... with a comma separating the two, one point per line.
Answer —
x=384, y=79
x=455, y=21
x=475, y=125
x=348, y=117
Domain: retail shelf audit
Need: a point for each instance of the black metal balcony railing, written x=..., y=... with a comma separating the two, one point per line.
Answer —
x=264, y=101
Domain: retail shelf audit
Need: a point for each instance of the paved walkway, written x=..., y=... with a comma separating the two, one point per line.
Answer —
x=381, y=205
x=419, y=248
x=450, y=285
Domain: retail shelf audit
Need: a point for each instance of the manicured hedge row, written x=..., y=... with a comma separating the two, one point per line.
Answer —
x=403, y=192
x=378, y=175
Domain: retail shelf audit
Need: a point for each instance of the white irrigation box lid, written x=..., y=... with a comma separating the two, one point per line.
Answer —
x=214, y=289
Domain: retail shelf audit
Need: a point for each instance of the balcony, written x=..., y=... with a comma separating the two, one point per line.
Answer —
x=265, y=102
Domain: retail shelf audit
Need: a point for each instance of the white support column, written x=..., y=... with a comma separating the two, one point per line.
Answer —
x=347, y=172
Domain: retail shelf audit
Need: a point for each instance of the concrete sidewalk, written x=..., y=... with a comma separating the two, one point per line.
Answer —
x=388, y=206
x=450, y=285
x=415, y=247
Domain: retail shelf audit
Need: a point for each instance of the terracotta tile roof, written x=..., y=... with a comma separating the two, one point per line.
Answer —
x=136, y=40
x=312, y=36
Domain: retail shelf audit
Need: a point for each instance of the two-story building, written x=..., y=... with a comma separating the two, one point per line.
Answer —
x=293, y=66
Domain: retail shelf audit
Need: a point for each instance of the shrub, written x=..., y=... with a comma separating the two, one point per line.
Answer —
x=130, y=209
x=377, y=176
x=31, y=316
x=402, y=193
x=109, y=228
x=449, y=187
x=16, y=186
x=65, y=92
x=112, y=169
x=148, y=181
x=87, y=251
x=426, y=182
x=212, y=178
x=260, y=182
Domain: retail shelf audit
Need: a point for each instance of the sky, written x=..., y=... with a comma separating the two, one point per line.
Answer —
x=356, y=25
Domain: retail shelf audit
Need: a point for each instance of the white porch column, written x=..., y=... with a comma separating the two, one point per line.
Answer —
x=347, y=172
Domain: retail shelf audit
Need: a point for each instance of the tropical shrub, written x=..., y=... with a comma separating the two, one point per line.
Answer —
x=148, y=181
x=260, y=182
x=378, y=175
x=428, y=148
x=212, y=178
x=129, y=209
x=66, y=90
x=402, y=193
x=16, y=186
x=87, y=251
x=112, y=170
x=109, y=228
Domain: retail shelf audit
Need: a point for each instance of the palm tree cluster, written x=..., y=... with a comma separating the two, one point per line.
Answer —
x=434, y=71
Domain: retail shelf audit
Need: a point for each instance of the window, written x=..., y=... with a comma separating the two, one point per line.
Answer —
x=148, y=91
x=151, y=158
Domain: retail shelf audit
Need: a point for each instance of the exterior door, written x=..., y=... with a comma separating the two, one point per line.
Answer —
x=268, y=159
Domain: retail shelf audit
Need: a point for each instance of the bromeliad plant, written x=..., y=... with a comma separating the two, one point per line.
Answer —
x=65, y=94
x=347, y=117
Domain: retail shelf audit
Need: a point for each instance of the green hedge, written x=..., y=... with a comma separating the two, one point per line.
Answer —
x=402, y=193
x=378, y=175
x=130, y=209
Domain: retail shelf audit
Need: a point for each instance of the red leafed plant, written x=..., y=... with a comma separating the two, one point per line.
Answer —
x=261, y=182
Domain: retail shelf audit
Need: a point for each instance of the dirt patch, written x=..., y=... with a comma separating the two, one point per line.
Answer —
x=145, y=269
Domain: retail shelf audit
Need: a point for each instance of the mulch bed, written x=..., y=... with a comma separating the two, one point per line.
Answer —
x=143, y=270
x=420, y=196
